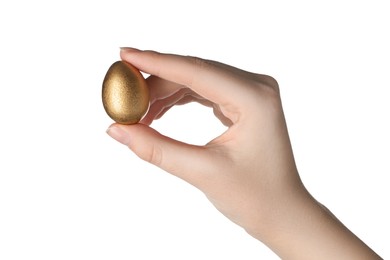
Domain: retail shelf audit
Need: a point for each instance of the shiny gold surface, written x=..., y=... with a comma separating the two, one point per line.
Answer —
x=125, y=93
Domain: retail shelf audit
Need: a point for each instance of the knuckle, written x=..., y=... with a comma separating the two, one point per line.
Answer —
x=264, y=92
x=267, y=86
x=153, y=155
x=199, y=62
x=199, y=65
x=267, y=82
x=271, y=81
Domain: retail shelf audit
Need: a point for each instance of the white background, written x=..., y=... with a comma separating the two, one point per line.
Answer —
x=68, y=191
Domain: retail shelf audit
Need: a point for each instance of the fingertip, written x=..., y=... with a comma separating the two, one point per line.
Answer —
x=119, y=134
x=128, y=49
x=126, y=53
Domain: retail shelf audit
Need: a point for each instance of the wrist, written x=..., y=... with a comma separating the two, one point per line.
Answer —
x=284, y=215
x=305, y=229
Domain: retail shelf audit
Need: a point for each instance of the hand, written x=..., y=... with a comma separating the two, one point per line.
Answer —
x=248, y=172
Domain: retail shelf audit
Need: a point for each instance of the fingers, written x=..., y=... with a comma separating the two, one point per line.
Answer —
x=188, y=162
x=218, y=113
x=161, y=105
x=165, y=94
x=160, y=89
x=198, y=74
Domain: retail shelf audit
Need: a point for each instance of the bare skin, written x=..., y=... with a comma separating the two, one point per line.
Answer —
x=248, y=172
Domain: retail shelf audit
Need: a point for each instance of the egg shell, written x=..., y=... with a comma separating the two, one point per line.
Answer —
x=125, y=93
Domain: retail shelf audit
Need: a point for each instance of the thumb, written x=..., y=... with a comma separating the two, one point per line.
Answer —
x=189, y=162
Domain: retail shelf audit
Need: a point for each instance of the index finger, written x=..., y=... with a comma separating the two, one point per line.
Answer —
x=220, y=83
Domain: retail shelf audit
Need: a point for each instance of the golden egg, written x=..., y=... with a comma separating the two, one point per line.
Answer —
x=125, y=93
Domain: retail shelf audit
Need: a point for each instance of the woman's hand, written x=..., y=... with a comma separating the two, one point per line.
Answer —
x=248, y=172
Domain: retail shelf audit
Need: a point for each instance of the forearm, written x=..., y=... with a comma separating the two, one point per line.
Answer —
x=308, y=230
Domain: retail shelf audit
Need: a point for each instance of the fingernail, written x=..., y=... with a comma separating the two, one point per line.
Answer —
x=128, y=49
x=118, y=134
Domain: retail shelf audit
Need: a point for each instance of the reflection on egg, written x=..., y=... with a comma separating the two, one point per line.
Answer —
x=125, y=93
